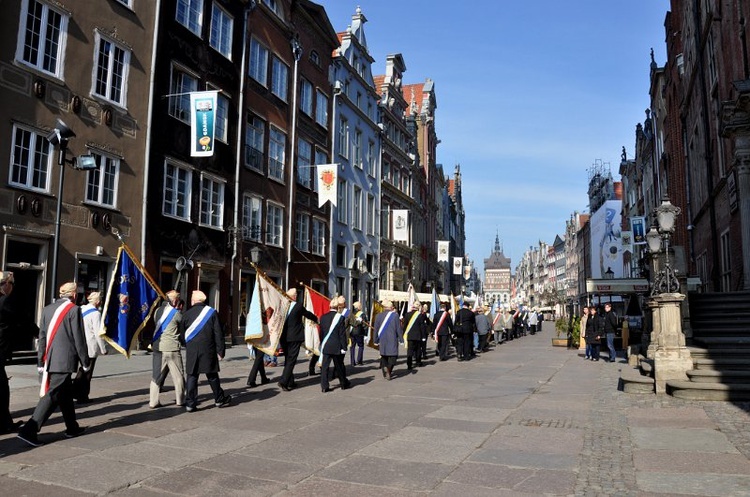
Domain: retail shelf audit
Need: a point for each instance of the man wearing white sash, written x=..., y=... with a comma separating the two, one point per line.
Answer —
x=442, y=328
x=166, y=350
x=292, y=338
x=62, y=344
x=204, y=344
x=388, y=335
x=333, y=345
x=92, y=320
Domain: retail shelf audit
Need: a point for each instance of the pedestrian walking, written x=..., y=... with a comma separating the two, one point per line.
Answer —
x=165, y=346
x=388, y=334
x=92, y=319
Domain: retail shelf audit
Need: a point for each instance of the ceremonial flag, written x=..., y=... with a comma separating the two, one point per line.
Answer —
x=327, y=178
x=202, y=123
x=434, y=303
x=457, y=265
x=411, y=298
x=268, y=309
x=454, y=307
x=318, y=304
x=443, y=246
x=369, y=339
x=131, y=300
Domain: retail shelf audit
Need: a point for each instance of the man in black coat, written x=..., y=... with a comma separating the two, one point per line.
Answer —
x=465, y=326
x=9, y=326
x=333, y=345
x=204, y=343
x=292, y=338
x=414, y=325
x=442, y=328
x=610, y=328
x=62, y=344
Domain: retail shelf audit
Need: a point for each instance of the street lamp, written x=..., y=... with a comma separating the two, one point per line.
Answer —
x=665, y=281
x=59, y=138
x=609, y=274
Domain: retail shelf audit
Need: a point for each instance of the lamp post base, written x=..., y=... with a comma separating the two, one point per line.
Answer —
x=672, y=358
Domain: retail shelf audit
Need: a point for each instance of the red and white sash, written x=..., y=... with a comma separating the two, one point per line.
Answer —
x=55, y=324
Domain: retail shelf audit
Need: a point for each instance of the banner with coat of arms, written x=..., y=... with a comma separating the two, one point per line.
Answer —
x=327, y=177
x=443, y=246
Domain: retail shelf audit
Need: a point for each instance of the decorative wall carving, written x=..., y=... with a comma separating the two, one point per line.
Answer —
x=14, y=79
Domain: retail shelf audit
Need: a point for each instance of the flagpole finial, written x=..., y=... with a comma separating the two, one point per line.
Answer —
x=116, y=232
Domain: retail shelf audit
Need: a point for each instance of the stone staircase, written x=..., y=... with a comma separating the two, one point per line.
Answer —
x=720, y=350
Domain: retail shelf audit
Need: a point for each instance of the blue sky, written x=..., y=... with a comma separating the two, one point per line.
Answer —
x=529, y=94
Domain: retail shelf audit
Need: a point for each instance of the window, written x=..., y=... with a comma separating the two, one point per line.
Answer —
x=370, y=158
x=258, y=62
x=274, y=6
x=306, y=97
x=221, y=31
x=274, y=224
x=182, y=84
x=276, y=154
x=279, y=79
x=357, y=209
x=43, y=40
x=251, y=218
x=341, y=255
x=315, y=58
x=357, y=149
x=341, y=207
x=222, y=117
x=177, y=191
x=212, y=202
x=254, y=133
x=101, y=184
x=111, y=71
x=321, y=109
x=126, y=3
x=725, y=263
x=190, y=14
x=344, y=137
x=30, y=161
x=370, y=221
x=302, y=232
x=318, y=237
x=304, y=163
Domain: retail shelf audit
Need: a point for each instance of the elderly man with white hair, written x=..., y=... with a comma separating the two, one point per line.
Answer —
x=292, y=338
x=62, y=344
x=204, y=344
x=92, y=319
x=388, y=334
x=333, y=344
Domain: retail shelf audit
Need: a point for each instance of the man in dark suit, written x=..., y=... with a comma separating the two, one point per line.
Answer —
x=204, y=343
x=414, y=325
x=62, y=344
x=333, y=345
x=9, y=326
x=465, y=326
x=442, y=327
x=292, y=338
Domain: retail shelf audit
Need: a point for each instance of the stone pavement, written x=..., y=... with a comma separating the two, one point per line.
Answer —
x=524, y=419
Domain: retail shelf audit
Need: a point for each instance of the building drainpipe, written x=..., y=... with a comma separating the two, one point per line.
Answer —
x=297, y=54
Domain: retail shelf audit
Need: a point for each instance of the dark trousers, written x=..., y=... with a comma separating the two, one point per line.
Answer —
x=358, y=342
x=6, y=420
x=82, y=382
x=339, y=370
x=191, y=390
x=443, y=342
x=483, y=339
x=423, y=348
x=311, y=365
x=414, y=353
x=257, y=367
x=60, y=394
x=291, y=351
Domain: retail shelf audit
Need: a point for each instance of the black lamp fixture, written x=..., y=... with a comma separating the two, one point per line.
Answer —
x=665, y=281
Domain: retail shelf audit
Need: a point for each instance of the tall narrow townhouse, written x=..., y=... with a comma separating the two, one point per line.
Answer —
x=457, y=232
x=355, y=228
x=398, y=167
x=82, y=68
x=189, y=198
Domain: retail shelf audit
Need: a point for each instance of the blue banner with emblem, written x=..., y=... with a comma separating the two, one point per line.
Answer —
x=202, y=123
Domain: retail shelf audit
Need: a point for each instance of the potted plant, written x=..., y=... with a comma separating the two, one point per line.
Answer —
x=561, y=327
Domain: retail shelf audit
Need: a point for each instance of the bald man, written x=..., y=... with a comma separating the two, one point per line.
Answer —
x=292, y=338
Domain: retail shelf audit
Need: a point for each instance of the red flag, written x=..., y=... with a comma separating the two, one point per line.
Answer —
x=318, y=304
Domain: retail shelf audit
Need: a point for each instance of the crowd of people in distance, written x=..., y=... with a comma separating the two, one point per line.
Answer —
x=68, y=347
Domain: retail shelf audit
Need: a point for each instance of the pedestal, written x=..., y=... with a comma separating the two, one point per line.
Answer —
x=672, y=358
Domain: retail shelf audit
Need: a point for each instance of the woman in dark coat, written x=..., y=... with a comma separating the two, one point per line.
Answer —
x=388, y=334
x=594, y=332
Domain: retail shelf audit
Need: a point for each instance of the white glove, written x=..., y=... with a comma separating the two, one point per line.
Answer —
x=40, y=370
x=343, y=351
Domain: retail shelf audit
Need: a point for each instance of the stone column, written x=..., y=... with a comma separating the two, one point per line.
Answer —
x=742, y=166
x=655, y=307
x=672, y=358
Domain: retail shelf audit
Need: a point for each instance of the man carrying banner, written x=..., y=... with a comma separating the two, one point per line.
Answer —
x=204, y=342
x=292, y=338
x=388, y=334
x=166, y=350
x=62, y=344
x=415, y=324
x=358, y=325
x=333, y=345
x=92, y=320
x=442, y=328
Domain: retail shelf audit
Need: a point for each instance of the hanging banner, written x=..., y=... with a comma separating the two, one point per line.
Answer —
x=442, y=250
x=327, y=177
x=401, y=225
x=202, y=123
x=638, y=226
x=467, y=272
x=627, y=241
x=457, y=265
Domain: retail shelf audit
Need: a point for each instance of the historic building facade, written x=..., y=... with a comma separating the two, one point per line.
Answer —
x=497, y=276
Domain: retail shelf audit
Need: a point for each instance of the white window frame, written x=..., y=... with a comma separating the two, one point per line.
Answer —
x=179, y=103
x=252, y=218
x=341, y=206
x=357, y=208
x=110, y=79
x=306, y=97
x=273, y=6
x=370, y=158
x=222, y=27
x=274, y=224
x=370, y=221
x=180, y=207
x=302, y=231
x=221, y=118
x=211, y=208
x=318, y=236
x=279, y=78
x=127, y=3
x=321, y=108
x=321, y=157
x=304, y=162
x=276, y=154
x=38, y=164
x=258, y=67
x=357, y=149
x=193, y=15
x=343, y=137
x=104, y=178
x=41, y=59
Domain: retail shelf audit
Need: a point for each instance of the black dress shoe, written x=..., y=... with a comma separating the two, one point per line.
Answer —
x=251, y=384
x=325, y=390
x=313, y=373
x=265, y=381
x=75, y=433
x=284, y=387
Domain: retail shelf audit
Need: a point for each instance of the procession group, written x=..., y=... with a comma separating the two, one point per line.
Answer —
x=69, y=344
